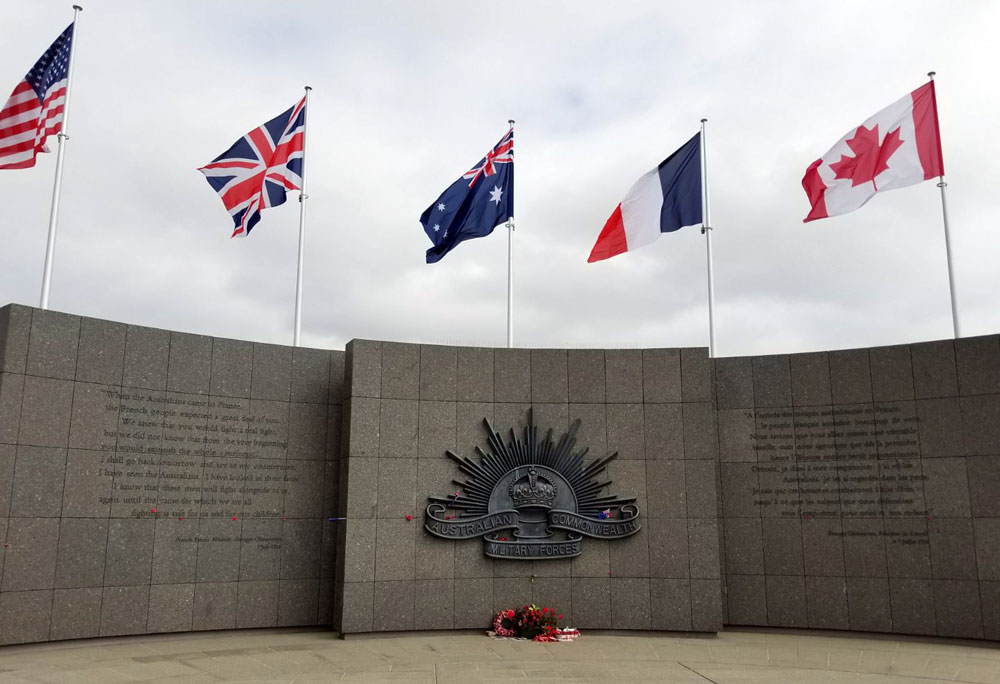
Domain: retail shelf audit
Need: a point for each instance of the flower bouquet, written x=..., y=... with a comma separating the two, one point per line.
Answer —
x=529, y=622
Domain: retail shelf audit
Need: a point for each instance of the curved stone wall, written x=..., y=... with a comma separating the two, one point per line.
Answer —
x=860, y=489
x=156, y=481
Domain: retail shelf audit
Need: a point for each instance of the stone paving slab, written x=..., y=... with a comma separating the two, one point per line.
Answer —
x=313, y=656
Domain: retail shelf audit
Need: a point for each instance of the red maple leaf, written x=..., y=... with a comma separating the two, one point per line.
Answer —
x=870, y=158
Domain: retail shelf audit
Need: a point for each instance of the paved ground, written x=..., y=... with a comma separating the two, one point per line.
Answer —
x=317, y=656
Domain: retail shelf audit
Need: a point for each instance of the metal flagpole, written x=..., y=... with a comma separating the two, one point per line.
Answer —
x=50, y=246
x=706, y=228
x=947, y=239
x=510, y=272
x=302, y=224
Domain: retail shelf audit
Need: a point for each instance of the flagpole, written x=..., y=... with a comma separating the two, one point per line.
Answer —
x=706, y=228
x=50, y=246
x=302, y=224
x=510, y=270
x=947, y=236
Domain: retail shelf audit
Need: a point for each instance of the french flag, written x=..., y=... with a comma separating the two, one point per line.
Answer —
x=661, y=201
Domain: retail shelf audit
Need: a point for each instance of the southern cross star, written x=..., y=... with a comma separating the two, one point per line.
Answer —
x=495, y=195
x=440, y=207
x=436, y=227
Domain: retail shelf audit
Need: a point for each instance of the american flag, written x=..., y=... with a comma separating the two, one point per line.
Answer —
x=260, y=168
x=35, y=108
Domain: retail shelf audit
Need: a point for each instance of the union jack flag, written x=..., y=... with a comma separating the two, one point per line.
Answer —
x=34, y=110
x=503, y=153
x=260, y=168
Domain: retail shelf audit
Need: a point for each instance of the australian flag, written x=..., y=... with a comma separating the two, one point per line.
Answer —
x=260, y=168
x=475, y=204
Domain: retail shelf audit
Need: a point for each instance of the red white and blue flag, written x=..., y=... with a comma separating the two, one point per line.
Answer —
x=260, y=168
x=35, y=108
x=899, y=146
x=663, y=200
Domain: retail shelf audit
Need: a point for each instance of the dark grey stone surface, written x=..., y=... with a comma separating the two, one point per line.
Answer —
x=30, y=557
x=11, y=395
x=912, y=603
x=734, y=383
x=124, y=610
x=189, y=365
x=747, y=599
x=214, y=605
x=772, y=381
x=549, y=379
x=474, y=374
x=400, y=371
x=52, y=348
x=892, y=373
x=935, y=373
x=623, y=375
x=850, y=376
x=978, y=364
x=15, y=331
x=26, y=615
x=438, y=373
x=586, y=376
x=171, y=608
x=311, y=373
x=661, y=375
x=37, y=489
x=147, y=353
x=272, y=372
x=232, y=368
x=839, y=490
x=257, y=604
x=144, y=487
x=46, y=406
x=696, y=375
x=76, y=613
x=512, y=375
x=868, y=604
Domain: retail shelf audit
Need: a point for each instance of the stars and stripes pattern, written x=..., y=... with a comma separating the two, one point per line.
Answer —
x=503, y=153
x=260, y=168
x=35, y=108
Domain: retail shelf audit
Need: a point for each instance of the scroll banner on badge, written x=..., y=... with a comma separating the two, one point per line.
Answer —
x=592, y=527
x=467, y=528
x=521, y=549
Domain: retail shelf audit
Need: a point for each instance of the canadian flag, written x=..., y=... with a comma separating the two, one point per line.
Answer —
x=899, y=146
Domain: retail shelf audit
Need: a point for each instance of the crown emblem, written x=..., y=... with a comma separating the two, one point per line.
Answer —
x=532, y=490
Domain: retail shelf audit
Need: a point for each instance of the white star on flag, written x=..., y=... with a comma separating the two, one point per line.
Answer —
x=436, y=227
x=441, y=207
x=495, y=195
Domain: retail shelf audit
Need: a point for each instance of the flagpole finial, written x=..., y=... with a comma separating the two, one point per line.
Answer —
x=77, y=8
x=511, y=122
x=308, y=88
x=704, y=120
x=930, y=74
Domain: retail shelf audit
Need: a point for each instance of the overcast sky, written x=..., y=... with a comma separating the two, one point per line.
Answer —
x=407, y=96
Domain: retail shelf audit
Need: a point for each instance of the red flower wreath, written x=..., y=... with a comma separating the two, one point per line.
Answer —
x=505, y=624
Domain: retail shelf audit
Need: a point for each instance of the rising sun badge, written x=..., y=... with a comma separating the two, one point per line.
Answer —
x=531, y=498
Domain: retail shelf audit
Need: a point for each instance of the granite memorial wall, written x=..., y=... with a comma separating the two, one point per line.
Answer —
x=861, y=488
x=156, y=481
x=407, y=404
